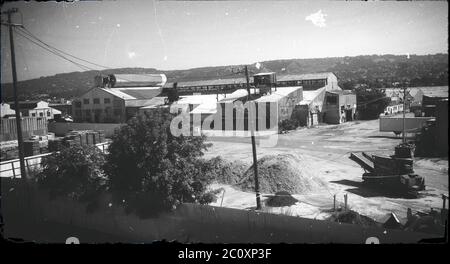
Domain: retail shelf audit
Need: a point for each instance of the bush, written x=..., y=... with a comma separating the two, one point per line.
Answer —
x=151, y=171
x=74, y=172
x=287, y=124
x=223, y=171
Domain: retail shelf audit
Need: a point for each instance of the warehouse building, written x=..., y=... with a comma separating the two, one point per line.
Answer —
x=223, y=86
x=339, y=106
x=272, y=105
x=308, y=111
x=292, y=102
x=310, y=81
x=117, y=98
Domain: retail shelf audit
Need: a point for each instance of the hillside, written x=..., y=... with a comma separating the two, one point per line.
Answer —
x=373, y=70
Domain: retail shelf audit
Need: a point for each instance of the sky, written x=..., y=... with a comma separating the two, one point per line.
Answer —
x=170, y=35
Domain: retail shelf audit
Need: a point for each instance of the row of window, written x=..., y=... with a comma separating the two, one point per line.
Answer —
x=241, y=85
x=95, y=101
x=107, y=111
x=305, y=82
x=41, y=114
x=211, y=87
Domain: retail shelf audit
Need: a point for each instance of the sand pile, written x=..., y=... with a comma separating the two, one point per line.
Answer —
x=282, y=198
x=283, y=172
x=352, y=217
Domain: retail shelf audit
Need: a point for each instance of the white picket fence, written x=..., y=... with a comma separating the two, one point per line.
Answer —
x=11, y=168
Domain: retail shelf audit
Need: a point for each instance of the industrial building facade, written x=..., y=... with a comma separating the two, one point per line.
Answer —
x=310, y=98
x=311, y=81
x=339, y=106
x=116, y=99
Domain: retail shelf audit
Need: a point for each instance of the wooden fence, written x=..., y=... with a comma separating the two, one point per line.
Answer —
x=30, y=126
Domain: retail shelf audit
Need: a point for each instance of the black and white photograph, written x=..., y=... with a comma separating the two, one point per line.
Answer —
x=224, y=122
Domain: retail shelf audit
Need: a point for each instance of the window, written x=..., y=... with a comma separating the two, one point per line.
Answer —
x=107, y=101
x=33, y=114
x=48, y=113
x=41, y=114
x=96, y=101
x=86, y=101
x=77, y=104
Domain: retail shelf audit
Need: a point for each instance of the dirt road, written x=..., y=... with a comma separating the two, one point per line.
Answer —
x=327, y=148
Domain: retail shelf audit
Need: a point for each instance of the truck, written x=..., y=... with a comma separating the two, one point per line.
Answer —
x=391, y=173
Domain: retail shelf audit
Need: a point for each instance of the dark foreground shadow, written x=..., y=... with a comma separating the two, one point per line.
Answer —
x=368, y=191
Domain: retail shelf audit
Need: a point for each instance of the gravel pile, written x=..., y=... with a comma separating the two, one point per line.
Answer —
x=283, y=172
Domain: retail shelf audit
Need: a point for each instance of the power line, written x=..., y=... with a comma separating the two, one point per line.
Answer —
x=27, y=32
x=84, y=67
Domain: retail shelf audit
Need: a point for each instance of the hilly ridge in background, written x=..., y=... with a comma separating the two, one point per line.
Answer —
x=372, y=70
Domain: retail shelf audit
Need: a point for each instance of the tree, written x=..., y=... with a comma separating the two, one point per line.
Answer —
x=74, y=172
x=371, y=102
x=151, y=171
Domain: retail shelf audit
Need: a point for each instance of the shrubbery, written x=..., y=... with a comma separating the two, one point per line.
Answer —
x=147, y=169
x=287, y=124
x=151, y=171
x=74, y=172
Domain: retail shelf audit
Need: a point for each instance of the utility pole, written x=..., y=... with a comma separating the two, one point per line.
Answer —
x=16, y=100
x=404, y=110
x=255, y=166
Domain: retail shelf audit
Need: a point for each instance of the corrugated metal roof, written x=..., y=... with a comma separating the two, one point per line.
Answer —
x=307, y=76
x=264, y=73
x=278, y=94
x=116, y=92
x=241, y=80
x=139, y=103
x=207, y=108
x=240, y=93
x=199, y=99
x=155, y=102
x=309, y=96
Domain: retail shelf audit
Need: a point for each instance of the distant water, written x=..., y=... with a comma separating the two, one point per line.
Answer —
x=440, y=91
